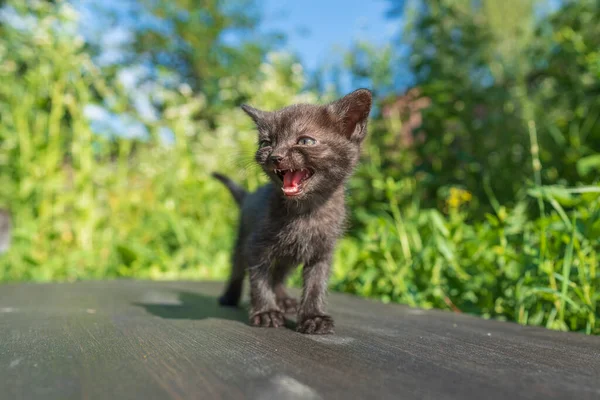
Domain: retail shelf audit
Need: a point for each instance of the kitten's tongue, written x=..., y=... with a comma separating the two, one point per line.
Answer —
x=291, y=180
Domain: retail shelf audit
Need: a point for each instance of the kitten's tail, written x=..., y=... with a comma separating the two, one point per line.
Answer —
x=238, y=192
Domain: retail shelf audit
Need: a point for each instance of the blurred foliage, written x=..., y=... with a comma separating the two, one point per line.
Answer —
x=208, y=40
x=478, y=191
x=493, y=78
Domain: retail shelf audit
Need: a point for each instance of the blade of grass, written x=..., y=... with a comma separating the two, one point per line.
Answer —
x=566, y=271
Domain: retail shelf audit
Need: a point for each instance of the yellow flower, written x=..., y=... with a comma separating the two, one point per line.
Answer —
x=458, y=197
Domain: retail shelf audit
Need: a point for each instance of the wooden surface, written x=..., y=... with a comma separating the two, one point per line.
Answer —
x=148, y=340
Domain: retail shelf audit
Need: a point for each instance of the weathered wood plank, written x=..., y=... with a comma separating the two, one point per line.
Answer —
x=169, y=340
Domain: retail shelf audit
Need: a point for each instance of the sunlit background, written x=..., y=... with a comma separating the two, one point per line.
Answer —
x=479, y=188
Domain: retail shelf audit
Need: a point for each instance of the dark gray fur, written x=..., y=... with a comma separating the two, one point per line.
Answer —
x=277, y=233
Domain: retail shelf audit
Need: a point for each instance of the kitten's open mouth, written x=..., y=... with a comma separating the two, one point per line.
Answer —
x=293, y=180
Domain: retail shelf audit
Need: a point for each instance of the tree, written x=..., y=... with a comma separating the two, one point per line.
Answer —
x=207, y=41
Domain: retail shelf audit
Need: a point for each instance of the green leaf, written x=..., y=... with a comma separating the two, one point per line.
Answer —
x=589, y=164
x=559, y=193
x=438, y=222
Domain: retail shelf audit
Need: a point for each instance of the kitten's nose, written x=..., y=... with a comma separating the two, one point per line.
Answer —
x=275, y=159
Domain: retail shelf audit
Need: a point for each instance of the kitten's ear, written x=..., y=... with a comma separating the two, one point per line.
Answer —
x=259, y=117
x=353, y=111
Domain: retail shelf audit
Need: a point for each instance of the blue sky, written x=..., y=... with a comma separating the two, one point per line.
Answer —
x=314, y=28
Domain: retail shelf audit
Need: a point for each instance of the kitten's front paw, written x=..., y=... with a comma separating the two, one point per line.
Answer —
x=317, y=324
x=267, y=319
x=289, y=305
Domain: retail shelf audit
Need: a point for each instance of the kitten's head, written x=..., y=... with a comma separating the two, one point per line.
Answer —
x=310, y=150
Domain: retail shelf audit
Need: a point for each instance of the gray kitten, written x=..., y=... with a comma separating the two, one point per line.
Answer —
x=308, y=152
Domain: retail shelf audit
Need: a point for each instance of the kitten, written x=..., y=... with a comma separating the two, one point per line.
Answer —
x=308, y=152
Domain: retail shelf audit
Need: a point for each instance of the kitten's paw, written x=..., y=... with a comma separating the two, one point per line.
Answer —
x=317, y=324
x=289, y=305
x=267, y=319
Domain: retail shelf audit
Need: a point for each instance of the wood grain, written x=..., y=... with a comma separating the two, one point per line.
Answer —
x=170, y=340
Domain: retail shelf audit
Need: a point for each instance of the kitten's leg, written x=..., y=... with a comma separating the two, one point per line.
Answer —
x=264, y=311
x=285, y=302
x=233, y=293
x=311, y=315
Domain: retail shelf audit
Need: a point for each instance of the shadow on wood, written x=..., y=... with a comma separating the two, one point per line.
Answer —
x=196, y=307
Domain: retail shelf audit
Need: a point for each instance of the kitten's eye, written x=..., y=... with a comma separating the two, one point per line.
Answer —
x=264, y=143
x=306, y=141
